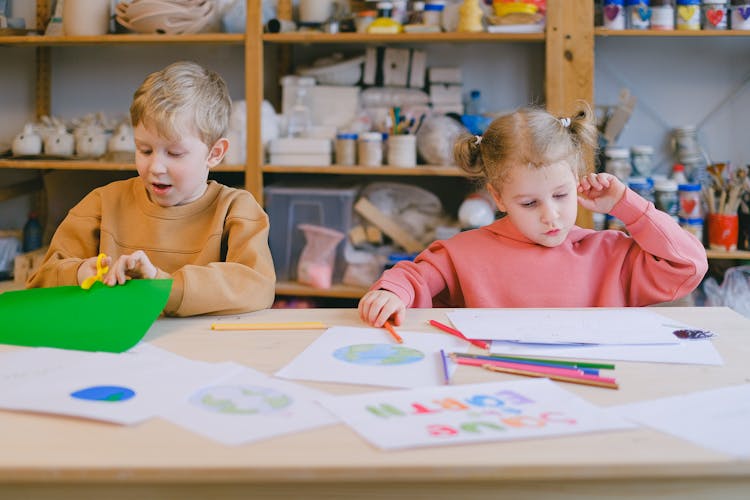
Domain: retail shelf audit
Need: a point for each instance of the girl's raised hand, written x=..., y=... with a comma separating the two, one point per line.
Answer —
x=136, y=265
x=600, y=192
x=378, y=306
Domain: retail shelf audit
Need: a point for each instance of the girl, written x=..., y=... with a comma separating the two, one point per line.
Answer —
x=534, y=167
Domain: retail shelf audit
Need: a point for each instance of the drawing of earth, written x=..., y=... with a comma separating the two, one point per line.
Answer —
x=240, y=400
x=378, y=354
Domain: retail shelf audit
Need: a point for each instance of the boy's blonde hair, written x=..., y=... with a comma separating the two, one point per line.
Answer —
x=183, y=98
x=529, y=137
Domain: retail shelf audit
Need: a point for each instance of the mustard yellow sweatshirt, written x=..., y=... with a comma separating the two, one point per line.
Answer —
x=215, y=248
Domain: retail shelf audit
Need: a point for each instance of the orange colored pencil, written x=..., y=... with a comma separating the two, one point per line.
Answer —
x=388, y=326
x=560, y=378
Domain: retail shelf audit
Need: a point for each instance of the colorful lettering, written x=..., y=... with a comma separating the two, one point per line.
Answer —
x=514, y=397
x=421, y=409
x=451, y=404
x=474, y=427
x=441, y=430
x=385, y=411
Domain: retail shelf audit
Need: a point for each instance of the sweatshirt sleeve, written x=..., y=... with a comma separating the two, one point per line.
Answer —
x=664, y=262
x=416, y=283
x=243, y=281
x=76, y=239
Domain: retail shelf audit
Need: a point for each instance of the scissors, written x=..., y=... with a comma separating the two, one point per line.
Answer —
x=100, y=272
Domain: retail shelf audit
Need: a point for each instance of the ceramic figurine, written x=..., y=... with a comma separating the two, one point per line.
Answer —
x=91, y=142
x=470, y=16
x=122, y=140
x=28, y=142
x=60, y=142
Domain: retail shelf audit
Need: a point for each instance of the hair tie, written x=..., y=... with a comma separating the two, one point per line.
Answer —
x=477, y=140
x=565, y=122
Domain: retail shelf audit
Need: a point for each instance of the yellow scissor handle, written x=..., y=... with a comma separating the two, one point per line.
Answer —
x=100, y=272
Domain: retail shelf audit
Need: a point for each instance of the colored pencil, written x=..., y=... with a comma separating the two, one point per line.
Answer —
x=567, y=372
x=560, y=378
x=479, y=343
x=446, y=373
x=388, y=326
x=587, y=371
x=301, y=325
x=577, y=364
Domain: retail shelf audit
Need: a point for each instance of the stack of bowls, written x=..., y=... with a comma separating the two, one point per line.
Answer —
x=170, y=17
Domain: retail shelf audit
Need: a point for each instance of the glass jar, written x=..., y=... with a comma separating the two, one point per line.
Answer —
x=643, y=159
x=662, y=15
x=740, y=19
x=666, y=198
x=637, y=15
x=617, y=162
x=715, y=14
x=694, y=226
x=433, y=13
x=370, y=149
x=688, y=15
x=346, y=149
x=643, y=187
x=690, y=201
x=613, y=14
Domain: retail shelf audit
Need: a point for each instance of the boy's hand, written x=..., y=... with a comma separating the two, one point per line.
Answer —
x=600, y=192
x=88, y=268
x=378, y=306
x=136, y=265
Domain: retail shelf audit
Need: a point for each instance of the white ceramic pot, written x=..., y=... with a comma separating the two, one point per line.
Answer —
x=86, y=17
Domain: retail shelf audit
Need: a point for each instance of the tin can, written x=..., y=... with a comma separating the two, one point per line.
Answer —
x=637, y=14
x=613, y=14
x=688, y=15
x=662, y=15
x=690, y=201
x=715, y=14
x=740, y=18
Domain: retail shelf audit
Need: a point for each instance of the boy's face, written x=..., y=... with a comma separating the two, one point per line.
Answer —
x=541, y=202
x=174, y=172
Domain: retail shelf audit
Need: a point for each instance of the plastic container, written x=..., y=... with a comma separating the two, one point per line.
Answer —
x=402, y=150
x=346, y=149
x=690, y=201
x=617, y=162
x=643, y=187
x=613, y=14
x=688, y=16
x=316, y=261
x=642, y=158
x=666, y=198
x=694, y=226
x=715, y=15
x=370, y=149
x=433, y=13
x=637, y=14
x=290, y=206
x=32, y=233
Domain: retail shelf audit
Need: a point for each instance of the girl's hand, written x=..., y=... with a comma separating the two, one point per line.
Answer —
x=88, y=268
x=378, y=306
x=136, y=265
x=600, y=192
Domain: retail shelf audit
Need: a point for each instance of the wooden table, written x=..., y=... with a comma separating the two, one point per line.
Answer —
x=44, y=456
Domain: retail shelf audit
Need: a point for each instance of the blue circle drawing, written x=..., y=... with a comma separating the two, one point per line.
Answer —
x=106, y=393
x=241, y=400
x=378, y=354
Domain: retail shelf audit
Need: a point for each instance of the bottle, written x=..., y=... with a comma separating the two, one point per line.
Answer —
x=32, y=233
x=474, y=105
x=678, y=174
x=384, y=23
x=299, y=117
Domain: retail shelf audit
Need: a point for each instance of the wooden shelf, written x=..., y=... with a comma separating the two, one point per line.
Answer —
x=604, y=32
x=421, y=170
x=91, y=165
x=200, y=38
x=452, y=37
x=721, y=254
x=336, y=291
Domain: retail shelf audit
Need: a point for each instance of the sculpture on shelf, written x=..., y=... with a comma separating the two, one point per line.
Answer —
x=470, y=16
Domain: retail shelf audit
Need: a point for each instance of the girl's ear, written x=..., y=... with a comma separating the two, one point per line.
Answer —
x=498, y=200
x=217, y=152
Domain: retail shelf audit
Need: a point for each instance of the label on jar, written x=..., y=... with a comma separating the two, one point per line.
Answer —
x=690, y=201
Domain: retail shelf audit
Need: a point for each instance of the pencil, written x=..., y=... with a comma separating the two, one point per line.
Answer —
x=479, y=343
x=388, y=326
x=446, y=373
x=301, y=325
x=545, y=370
x=559, y=378
x=577, y=364
x=587, y=371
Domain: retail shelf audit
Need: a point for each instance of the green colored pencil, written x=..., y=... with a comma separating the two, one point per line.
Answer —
x=577, y=364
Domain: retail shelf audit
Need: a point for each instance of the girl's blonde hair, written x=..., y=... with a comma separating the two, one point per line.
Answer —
x=529, y=137
x=183, y=98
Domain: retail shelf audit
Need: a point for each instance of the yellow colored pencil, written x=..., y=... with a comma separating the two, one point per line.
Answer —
x=301, y=325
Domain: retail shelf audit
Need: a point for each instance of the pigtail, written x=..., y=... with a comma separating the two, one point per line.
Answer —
x=466, y=154
x=582, y=128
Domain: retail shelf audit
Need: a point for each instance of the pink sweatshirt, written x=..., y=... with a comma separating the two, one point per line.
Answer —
x=496, y=266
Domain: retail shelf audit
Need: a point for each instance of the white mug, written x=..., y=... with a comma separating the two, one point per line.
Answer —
x=86, y=17
x=315, y=11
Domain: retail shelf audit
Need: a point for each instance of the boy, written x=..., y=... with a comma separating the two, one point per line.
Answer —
x=171, y=221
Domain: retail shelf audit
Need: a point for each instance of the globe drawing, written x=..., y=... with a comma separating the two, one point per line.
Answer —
x=240, y=400
x=378, y=354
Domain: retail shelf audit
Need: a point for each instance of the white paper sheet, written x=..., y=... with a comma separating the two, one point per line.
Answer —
x=250, y=406
x=125, y=388
x=716, y=419
x=472, y=413
x=370, y=356
x=554, y=326
x=694, y=352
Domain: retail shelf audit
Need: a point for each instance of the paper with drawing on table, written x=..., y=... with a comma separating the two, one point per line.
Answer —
x=567, y=326
x=103, y=318
x=716, y=419
x=250, y=406
x=471, y=413
x=125, y=388
x=370, y=356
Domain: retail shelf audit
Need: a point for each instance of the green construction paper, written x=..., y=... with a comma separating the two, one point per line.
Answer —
x=102, y=318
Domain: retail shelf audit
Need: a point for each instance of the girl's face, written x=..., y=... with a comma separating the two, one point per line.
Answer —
x=541, y=202
x=174, y=172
